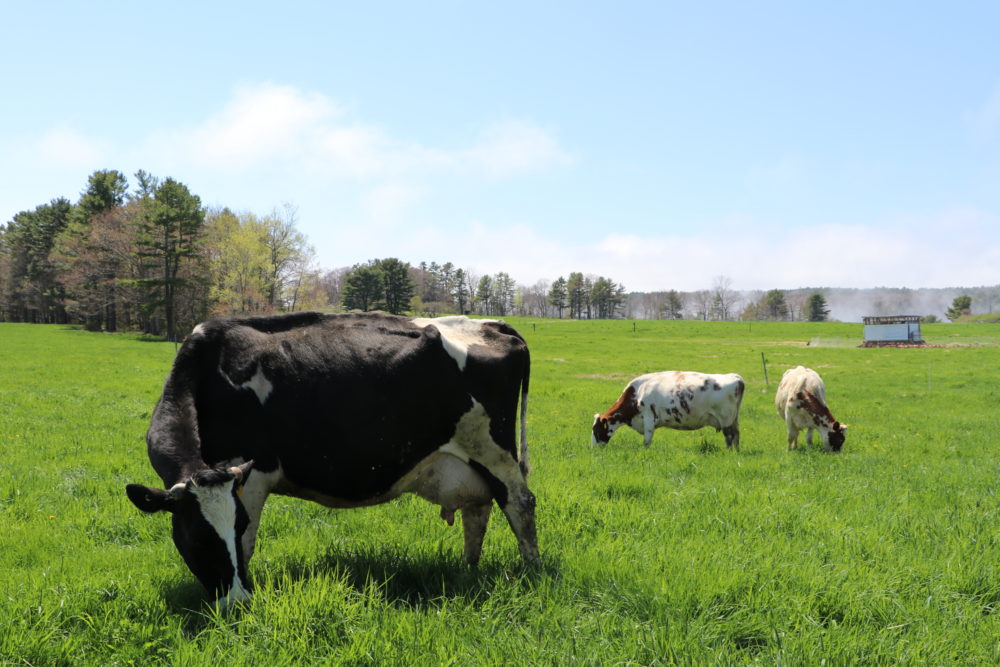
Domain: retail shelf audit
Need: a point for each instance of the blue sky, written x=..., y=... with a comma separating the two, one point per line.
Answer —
x=661, y=144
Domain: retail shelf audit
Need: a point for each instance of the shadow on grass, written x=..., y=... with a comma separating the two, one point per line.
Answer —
x=415, y=581
x=137, y=337
x=420, y=580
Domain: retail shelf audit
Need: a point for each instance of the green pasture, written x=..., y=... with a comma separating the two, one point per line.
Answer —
x=685, y=552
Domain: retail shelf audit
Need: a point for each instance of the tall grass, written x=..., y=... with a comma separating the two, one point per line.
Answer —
x=684, y=552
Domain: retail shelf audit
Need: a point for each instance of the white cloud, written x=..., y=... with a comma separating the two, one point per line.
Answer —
x=948, y=249
x=515, y=147
x=268, y=125
x=388, y=203
x=64, y=146
x=258, y=124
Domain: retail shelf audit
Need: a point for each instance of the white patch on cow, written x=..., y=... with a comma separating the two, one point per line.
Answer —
x=454, y=450
x=199, y=330
x=259, y=384
x=457, y=334
x=218, y=506
x=256, y=489
x=445, y=480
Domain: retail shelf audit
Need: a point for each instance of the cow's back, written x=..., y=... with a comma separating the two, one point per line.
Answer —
x=689, y=399
x=345, y=404
x=794, y=381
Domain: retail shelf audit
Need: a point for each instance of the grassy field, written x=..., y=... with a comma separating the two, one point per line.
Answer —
x=684, y=552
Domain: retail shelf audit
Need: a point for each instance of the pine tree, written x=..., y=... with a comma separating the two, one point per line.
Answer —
x=816, y=310
x=962, y=305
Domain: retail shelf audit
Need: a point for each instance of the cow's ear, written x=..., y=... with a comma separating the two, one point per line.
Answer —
x=149, y=499
x=242, y=472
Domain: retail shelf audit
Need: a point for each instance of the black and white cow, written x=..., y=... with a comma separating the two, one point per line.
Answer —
x=682, y=400
x=345, y=410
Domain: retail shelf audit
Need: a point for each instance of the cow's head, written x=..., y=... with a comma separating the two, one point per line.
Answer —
x=602, y=429
x=837, y=436
x=208, y=523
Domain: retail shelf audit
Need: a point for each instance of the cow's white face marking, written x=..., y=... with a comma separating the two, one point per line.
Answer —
x=259, y=384
x=457, y=334
x=218, y=506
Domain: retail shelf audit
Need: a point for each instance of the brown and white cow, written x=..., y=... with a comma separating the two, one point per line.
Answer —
x=682, y=400
x=801, y=402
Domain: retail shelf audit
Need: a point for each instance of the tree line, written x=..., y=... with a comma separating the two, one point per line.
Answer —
x=148, y=256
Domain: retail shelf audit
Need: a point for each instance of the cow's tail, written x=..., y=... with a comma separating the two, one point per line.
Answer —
x=523, y=458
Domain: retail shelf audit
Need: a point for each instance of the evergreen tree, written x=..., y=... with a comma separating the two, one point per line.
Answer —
x=816, y=310
x=397, y=288
x=484, y=295
x=558, y=294
x=962, y=305
x=775, y=305
x=576, y=291
x=363, y=288
x=32, y=291
x=171, y=228
x=673, y=308
x=459, y=292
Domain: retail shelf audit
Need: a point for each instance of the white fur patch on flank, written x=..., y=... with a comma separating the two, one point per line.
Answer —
x=457, y=334
x=259, y=384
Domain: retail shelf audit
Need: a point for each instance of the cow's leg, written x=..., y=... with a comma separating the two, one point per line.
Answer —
x=809, y=436
x=793, y=437
x=520, y=513
x=474, y=521
x=472, y=440
x=732, y=433
x=648, y=426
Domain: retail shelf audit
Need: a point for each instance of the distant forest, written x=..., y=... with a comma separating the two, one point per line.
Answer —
x=151, y=258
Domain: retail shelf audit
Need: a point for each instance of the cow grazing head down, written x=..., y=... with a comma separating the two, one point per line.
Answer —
x=837, y=436
x=208, y=523
x=602, y=429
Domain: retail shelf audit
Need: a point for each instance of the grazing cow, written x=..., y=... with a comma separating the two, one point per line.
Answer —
x=801, y=402
x=345, y=410
x=682, y=400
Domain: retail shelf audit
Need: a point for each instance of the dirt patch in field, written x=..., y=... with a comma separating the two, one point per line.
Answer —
x=602, y=376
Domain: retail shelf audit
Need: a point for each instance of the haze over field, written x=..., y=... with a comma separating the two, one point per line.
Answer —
x=783, y=145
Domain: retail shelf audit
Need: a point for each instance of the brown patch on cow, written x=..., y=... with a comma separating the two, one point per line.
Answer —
x=813, y=406
x=624, y=408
